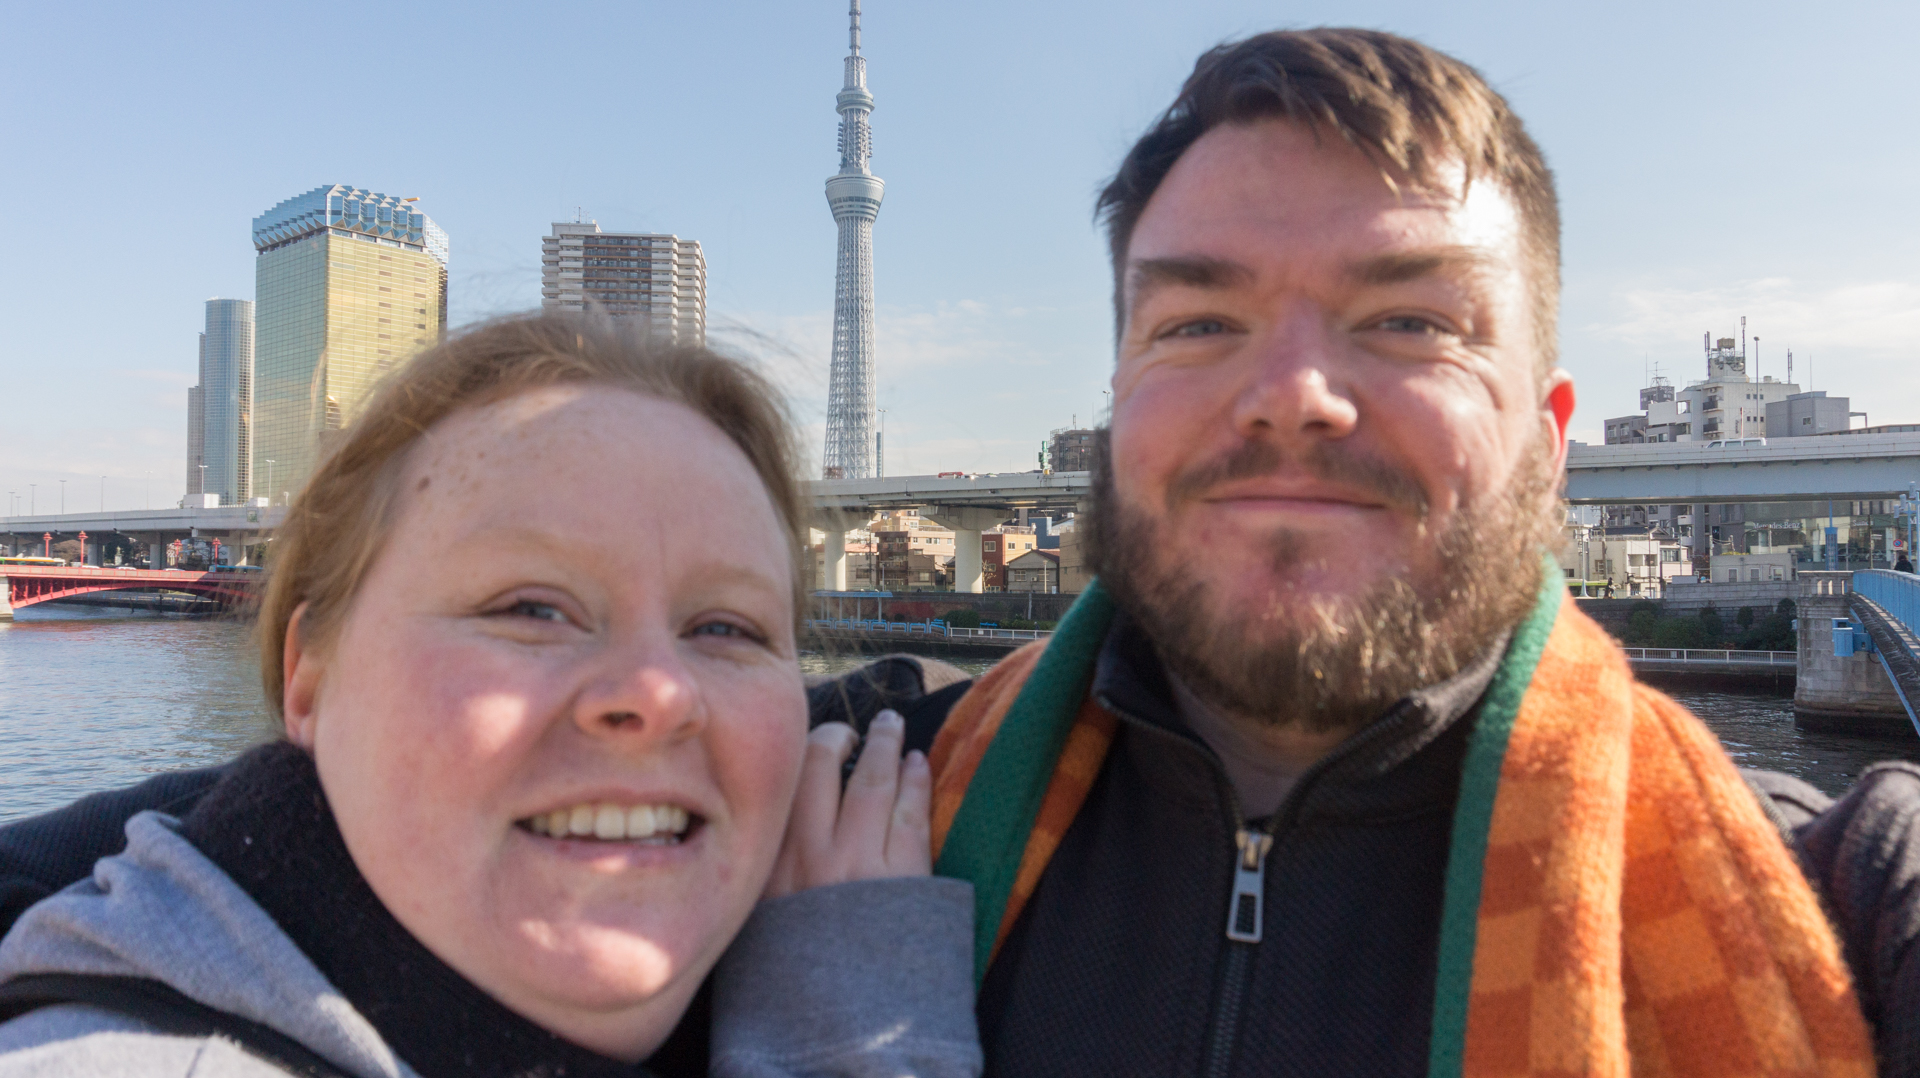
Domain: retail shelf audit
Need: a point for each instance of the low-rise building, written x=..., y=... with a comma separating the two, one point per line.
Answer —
x=1036, y=570
x=1751, y=568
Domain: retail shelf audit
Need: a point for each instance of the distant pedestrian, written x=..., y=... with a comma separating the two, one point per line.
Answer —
x=1903, y=565
x=1609, y=589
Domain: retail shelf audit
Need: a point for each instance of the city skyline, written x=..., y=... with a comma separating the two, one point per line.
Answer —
x=1723, y=171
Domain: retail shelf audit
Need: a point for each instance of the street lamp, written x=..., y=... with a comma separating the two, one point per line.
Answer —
x=63, y=497
x=103, y=494
x=33, y=499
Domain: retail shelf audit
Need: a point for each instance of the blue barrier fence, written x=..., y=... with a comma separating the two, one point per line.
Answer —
x=1896, y=593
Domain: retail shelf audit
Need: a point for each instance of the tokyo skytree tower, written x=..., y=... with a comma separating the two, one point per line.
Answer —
x=854, y=194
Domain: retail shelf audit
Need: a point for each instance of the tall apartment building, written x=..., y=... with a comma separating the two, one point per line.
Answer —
x=220, y=408
x=348, y=284
x=652, y=276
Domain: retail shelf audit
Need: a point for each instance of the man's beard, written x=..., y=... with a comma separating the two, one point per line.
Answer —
x=1323, y=661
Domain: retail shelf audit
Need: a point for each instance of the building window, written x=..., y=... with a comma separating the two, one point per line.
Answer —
x=990, y=547
x=1733, y=576
x=1753, y=574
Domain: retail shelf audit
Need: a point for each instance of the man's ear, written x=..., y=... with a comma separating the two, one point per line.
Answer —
x=300, y=671
x=1556, y=411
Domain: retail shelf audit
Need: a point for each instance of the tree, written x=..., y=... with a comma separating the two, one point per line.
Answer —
x=1744, y=618
x=1711, y=627
x=69, y=549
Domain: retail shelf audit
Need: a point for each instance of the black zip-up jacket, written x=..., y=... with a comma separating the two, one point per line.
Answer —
x=1121, y=962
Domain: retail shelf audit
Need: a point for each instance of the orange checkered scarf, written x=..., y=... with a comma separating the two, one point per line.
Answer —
x=1616, y=902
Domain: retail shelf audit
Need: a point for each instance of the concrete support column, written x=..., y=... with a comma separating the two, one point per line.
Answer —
x=836, y=524
x=6, y=600
x=835, y=577
x=156, y=554
x=967, y=523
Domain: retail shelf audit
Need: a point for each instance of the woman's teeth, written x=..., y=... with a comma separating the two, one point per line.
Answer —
x=659, y=824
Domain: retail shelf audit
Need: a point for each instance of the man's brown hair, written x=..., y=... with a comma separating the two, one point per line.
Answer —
x=337, y=524
x=1411, y=109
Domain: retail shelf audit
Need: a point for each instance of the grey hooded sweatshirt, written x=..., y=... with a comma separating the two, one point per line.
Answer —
x=819, y=983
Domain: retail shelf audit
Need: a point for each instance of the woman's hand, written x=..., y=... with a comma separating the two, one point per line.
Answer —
x=877, y=829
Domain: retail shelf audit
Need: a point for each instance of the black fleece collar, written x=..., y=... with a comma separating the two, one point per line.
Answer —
x=268, y=826
x=1131, y=681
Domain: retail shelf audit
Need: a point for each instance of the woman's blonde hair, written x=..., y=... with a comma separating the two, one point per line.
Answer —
x=335, y=527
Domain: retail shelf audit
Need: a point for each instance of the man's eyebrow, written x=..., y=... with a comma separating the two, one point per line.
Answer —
x=1401, y=266
x=1196, y=271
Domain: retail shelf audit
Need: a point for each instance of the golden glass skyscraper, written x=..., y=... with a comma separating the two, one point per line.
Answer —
x=348, y=283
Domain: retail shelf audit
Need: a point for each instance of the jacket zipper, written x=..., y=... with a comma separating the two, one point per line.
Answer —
x=1245, y=913
x=1247, y=910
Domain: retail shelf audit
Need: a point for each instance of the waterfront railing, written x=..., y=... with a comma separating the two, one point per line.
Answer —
x=1717, y=656
x=922, y=628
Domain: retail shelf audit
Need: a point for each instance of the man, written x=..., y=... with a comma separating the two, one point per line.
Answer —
x=1353, y=794
x=1358, y=792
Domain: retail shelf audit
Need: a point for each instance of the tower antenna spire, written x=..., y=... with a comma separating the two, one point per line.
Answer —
x=854, y=194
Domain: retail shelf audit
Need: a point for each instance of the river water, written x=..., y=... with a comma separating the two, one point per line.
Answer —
x=91, y=699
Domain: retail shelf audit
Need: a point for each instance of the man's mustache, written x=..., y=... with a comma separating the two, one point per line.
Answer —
x=1325, y=462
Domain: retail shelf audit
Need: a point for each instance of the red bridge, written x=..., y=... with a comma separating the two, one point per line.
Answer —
x=26, y=585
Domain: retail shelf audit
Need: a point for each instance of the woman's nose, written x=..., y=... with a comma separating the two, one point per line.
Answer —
x=649, y=696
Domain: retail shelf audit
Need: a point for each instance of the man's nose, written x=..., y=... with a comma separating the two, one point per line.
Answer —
x=1295, y=389
x=642, y=692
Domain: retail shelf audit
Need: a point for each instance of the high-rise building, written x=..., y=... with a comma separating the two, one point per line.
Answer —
x=854, y=194
x=348, y=284
x=196, y=435
x=651, y=276
x=220, y=408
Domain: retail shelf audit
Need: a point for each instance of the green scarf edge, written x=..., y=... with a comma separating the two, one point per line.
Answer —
x=1473, y=817
x=989, y=832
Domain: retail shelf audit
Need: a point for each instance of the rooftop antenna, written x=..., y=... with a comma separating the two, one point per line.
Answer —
x=1789, y=365
x=1743, y=340
x=1756, y=357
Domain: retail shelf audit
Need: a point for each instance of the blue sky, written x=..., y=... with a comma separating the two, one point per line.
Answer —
x=1714, y=160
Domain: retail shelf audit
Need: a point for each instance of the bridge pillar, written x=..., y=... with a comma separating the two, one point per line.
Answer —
x=835, y=548
x=6, y=602
x=1849, y=693
x=836, y=523
x=156, y=554
x=967, y=524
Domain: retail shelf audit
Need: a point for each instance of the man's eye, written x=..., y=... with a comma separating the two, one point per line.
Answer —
x=1206, y=327
x=529, y=608
x=1409, y=323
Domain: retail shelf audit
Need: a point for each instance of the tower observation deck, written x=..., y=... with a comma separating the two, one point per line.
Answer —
x=854, y=194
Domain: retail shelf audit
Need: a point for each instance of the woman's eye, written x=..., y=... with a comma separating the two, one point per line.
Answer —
x=529, y=608
x=722, y=629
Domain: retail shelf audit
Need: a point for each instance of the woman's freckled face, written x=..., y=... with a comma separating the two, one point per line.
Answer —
x=585, y=600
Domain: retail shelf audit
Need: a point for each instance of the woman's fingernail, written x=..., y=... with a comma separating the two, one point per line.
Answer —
x=889, y=717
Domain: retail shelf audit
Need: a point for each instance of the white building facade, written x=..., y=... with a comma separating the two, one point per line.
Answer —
x=654, y=277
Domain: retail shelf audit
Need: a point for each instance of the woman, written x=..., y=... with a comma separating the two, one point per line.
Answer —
x=530, y=628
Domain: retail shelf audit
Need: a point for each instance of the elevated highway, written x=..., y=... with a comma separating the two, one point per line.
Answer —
x=1842, y=467
x=234, y=525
